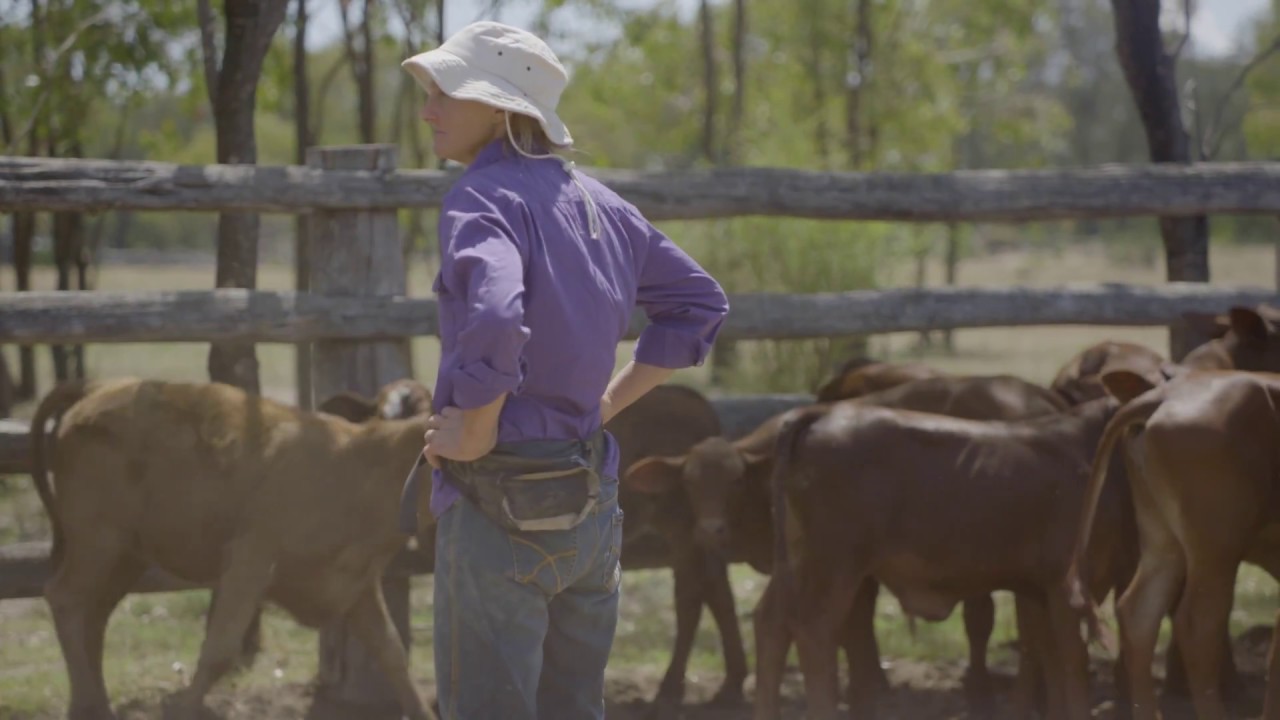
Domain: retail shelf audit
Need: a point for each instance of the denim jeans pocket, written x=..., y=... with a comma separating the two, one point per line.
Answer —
x=611, y=565
x=545, y=559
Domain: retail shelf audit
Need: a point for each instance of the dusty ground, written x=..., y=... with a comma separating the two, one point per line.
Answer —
x=919, y=690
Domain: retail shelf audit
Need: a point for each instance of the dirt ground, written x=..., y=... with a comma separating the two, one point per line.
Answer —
x=918, y=690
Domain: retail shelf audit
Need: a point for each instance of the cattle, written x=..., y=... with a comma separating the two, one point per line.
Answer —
x=220, y=488
x=397, y=400
x=727, y=485
x=1080, y=379
x=862, y=376
x=1242, y=338
x=667, y=420
x=1204, y=483
x=938, y=510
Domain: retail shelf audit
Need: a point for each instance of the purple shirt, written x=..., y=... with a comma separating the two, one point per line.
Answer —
x=531, y=305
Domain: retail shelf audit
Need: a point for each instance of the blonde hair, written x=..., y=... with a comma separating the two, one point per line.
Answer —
x=528, y=136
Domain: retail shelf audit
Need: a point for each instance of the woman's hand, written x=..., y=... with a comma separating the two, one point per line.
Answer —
x=450, y=435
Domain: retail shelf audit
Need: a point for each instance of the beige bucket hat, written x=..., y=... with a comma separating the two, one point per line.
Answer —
x=501, y=66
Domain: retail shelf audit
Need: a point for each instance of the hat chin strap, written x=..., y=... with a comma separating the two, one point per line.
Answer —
x=593, y=212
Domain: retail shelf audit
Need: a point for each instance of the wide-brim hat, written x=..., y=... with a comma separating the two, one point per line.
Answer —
x=501, y=66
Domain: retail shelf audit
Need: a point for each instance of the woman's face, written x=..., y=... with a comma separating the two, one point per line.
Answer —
x=460, y=128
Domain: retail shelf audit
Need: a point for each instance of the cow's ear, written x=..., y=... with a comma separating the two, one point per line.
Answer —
x=350, y=406
x=1125, y=385
x=1249, y=325
x=654, y=475
x=756, y=462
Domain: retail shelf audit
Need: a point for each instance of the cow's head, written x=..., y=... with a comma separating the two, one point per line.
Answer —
x=714, y=476
x=860, y=377
x=1247, y=339
x=397, y=400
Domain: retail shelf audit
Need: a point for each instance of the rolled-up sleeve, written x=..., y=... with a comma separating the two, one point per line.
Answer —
x=482, y=270
x=685, y=306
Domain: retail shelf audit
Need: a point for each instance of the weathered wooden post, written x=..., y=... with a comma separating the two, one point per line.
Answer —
x=358, y=253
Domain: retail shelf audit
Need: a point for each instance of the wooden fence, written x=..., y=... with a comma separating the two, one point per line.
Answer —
x=360, y=322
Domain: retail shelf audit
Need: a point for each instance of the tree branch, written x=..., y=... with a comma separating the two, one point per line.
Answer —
x=1187, y=11
x=209, y=48
x=1213, y=138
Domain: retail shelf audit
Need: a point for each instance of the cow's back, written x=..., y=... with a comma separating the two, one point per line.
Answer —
x=946, y=502
x=995, y=397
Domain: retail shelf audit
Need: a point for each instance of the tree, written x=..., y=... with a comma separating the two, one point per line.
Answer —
x=1151, y=72
x=231, y=79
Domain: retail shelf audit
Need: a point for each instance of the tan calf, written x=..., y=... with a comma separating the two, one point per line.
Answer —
x=1204, y=501
x=222, y=488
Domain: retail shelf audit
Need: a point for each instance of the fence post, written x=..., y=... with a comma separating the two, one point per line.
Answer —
x=357, y=253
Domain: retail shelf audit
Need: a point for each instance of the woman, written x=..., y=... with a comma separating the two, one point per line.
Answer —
x=540, y=270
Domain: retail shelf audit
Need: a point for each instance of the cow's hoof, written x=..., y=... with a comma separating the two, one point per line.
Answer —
x=182, y=706
x=729, y=695
x=671, y=690
x=97, y=712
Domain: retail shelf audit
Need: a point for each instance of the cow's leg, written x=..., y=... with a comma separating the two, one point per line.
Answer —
x=1034, y=647
x=93, y=575
x=719, y=598
x=1271, y=707
x=372, y=625
x=773, y=631
x=1069, y=663
x=242, y=588
x=818, y=624
x=1200, y=623
x=1175, y=677
x=1139, y=613
x=866, y=677
x=690, y=584
x=979, y=622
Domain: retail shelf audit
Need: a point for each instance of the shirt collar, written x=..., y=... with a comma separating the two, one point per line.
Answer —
x=489, y=154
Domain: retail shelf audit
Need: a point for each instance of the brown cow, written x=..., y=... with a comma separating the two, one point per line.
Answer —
x=223, y=488
x=668, y=420
x=1204, y=501
x=937, y=509
x=727, y=483
x=397, y=400
x=1243, y=338
x=1080, y=379
x=862, y=376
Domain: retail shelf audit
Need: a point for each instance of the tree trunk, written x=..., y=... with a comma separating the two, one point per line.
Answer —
x=360, y=58
x=24, y=230
x=733, y=141
x=710, y=82
x=818, y=79
x=858, y=131
x=301, y=245
x=1151, y=73
x=952, y=269
x=250, y=26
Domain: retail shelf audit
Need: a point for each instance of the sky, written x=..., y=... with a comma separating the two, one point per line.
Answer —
x=1217, y=27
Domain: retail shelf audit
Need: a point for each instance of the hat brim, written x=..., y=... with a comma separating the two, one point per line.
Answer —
x=458, y=80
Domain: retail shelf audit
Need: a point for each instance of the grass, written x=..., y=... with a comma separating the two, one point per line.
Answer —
x=153, y=640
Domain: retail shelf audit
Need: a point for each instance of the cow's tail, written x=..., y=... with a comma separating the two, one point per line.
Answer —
x=54, y=405
x=790, y=433
x=1136, y=412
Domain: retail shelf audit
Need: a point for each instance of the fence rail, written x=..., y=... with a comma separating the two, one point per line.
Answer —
x=263, y=316
x=29, y=183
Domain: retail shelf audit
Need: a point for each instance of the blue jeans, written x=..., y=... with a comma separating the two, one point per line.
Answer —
x=524, y=621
